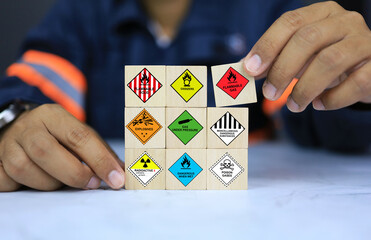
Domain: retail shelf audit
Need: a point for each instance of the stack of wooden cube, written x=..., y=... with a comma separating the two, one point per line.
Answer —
x=173, y=141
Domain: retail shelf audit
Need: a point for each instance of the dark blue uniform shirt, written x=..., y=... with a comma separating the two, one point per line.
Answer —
x=100, y=36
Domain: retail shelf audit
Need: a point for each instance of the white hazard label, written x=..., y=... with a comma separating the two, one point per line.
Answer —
x=226, y=169
x=227, y=128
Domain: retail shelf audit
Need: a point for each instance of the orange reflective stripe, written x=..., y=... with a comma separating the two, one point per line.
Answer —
x=60, y=66
x=271, y=107
x=260, y=135
x=33, y=78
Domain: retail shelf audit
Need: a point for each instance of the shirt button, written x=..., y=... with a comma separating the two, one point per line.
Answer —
x=236, y=44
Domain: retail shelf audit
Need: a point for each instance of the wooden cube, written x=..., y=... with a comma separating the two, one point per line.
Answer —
x=144, y=169
x=145, y=127
x=145, y=86
x=232, y=85
x=186, y=169
x=186, y=86
x=227, y=127
x=185, y=128
x=227, y=169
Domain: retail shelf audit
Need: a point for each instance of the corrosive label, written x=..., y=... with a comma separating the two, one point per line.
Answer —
x=144, y=126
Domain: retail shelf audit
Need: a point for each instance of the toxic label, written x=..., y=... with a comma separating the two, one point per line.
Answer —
x=226, y=169
x=144, y=169
x=144, y=85
x=185, y=127
x=144, y=126
x=185, y=169
x=186, y=85
x=232, y=83
x=227, y=128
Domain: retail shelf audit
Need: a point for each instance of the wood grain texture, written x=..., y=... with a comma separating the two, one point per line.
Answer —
x=198, y=141
x=173, y=98
x=158, y=182
x=197, y=155
x=158, y=99
x=240, y=156
x=157, y=140
x=247, y=95
x=215, y=114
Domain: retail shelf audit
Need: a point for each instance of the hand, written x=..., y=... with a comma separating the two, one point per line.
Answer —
x=47, y=147
x=326, y=47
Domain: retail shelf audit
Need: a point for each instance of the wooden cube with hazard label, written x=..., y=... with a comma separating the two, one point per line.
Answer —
x=227, y=128
x=145, y=169
x=227, y=169
x=186, y=128
x=186, y=169
x=186, y=86
x=145, y=86
x=145, y=127
x=232, y=85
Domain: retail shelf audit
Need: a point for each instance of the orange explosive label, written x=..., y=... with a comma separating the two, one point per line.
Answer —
x=144, y=126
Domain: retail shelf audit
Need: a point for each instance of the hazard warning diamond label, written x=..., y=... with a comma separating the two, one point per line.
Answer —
x=232, y=83
x=185, y=127
x=185, y=169
x=186, y=85
x=227, y=128
x=226, y=169
x=145, y=169
x=144, y=126
x=144, y=85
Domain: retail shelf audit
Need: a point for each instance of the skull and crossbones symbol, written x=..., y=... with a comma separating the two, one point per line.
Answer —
x=226, y=164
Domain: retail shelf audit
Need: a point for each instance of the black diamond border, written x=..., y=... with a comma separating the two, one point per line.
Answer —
x=241, y=89
x=136, y=77
x=140, y=180
x=220, y=137
x=177, y=161
x=194, y=135
x=179, y=93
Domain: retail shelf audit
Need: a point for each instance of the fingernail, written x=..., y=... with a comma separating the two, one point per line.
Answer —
x=269, y=91
x=116, y=179
x=93, y=183
x=318, y=104
x=292, y=105
x=253, y=63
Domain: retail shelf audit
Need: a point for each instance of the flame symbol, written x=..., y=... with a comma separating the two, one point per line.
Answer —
x=231, y=76
x=144, y=78
x=187, y=80
x=185, y=162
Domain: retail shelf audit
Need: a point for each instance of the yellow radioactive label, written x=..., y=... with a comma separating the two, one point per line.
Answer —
x=186, y=85
x=145, y=162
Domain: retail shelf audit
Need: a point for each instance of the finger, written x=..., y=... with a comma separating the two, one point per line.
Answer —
x=47, y=153
x=87, y=145
x=6, y=183
x=275, y=38
x=354, y=89
x=308, y=41
x=327, y=66
x=21, y=169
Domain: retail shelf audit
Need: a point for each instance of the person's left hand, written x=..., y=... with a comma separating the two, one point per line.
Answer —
x=326, y=47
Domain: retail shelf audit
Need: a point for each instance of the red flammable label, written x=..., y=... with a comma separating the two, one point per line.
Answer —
x=232, y=83
x=144, y=85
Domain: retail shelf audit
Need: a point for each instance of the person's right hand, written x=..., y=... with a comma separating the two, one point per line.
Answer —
x=47, y=147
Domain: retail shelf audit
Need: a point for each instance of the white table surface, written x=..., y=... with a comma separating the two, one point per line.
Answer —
x=293, y=194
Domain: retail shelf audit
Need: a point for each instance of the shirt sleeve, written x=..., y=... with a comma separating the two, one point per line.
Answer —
x=52, y=62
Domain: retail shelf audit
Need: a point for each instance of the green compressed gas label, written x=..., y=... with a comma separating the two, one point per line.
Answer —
x=185, y=127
